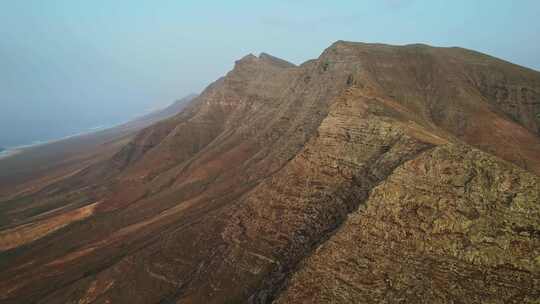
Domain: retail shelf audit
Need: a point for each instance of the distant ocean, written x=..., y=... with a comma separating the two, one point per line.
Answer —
x=13, y=150
x=16, y=143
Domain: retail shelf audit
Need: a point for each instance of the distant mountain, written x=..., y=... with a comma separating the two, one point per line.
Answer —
x=374, y=173
x=155, y=116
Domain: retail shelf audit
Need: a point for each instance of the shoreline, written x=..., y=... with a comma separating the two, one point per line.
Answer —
x=9, y=152
x=12, y=151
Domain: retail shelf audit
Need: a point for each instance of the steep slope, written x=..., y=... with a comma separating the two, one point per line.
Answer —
x=224, y=201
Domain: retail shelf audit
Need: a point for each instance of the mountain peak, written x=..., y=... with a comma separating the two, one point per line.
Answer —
x=264, y=58
x=341, y=44
x=248, y=58
x=275, y=60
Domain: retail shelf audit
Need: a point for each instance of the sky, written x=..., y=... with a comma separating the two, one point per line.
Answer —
x=68, y=66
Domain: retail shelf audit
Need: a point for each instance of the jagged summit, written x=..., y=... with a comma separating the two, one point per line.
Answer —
x=265, y=58
x=275, y=60
x=248, y=58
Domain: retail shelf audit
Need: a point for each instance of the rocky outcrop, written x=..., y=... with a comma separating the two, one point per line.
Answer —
x=452, y=225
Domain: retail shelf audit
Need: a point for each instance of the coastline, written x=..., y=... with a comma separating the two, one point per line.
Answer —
x=9, y=152
x=12, y=151
x=138, y=122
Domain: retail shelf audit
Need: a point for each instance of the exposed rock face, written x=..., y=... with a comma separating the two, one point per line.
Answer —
x=452, y=225
x=369, y=153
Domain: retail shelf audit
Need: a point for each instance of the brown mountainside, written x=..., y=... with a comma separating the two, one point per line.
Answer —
x=373, y=173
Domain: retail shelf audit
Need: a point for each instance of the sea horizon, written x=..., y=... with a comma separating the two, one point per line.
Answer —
x=8, y=151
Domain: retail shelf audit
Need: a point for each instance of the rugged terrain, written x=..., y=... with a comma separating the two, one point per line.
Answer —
x=373, y=173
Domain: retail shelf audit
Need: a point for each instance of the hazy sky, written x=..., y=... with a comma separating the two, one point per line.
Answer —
x=66, y=65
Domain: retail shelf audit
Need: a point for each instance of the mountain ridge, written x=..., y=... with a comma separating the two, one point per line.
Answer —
x=236, y=198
